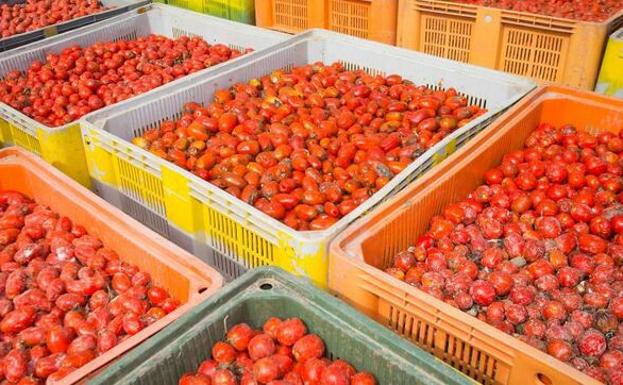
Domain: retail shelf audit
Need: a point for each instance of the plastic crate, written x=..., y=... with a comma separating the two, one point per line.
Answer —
x=368, y=19
x=236, y=10
x=610, y=81
x=225, y=231
x=183, y=275
x=477, y=349
x=62, y=146
x=545, y=48
x=117, y=7
x=269, y=292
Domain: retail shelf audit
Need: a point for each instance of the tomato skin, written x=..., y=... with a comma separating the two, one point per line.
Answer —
x=15, y=365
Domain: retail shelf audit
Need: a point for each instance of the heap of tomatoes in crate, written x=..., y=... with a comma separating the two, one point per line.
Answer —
x=282, y=353
x=584, y=10
x=537, y=250
x=64, y=297
x=27, y=16
x=309, y=145
x=80, y=80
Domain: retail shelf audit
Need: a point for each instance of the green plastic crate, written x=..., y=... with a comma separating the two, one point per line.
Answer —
x=236, y=10
x=263, y=293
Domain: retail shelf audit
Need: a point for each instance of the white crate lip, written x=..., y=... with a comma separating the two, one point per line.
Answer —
x=155, y=18
x=503, y=91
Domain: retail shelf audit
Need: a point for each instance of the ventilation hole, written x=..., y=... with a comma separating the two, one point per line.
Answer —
x=542, y=379
x=266, y=286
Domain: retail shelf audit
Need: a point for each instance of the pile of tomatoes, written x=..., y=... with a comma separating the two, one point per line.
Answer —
x=282, y=353
x=64, y=297
x=585, y=10
x=84, y=79
x=537, y=250
x=34, y=14
x=309, y=145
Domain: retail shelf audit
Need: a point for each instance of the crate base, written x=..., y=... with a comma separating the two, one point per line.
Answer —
x=229, y=268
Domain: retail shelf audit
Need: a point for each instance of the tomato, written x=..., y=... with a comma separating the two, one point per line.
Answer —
x=260, y=346
x=545, y=227
x=307, y=347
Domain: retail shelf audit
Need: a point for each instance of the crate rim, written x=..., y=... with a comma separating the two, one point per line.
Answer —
x=317, y=34
x=353, y=235
x=571, y=22
x=15, y=116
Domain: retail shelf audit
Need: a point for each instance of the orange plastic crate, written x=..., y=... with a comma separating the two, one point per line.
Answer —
x=368, y=19
x=479, y=350
x=544, y=48
x=184, y=276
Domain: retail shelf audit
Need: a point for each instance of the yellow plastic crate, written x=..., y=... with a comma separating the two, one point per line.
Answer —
x=225, y=231
x=62, y=146
x=242, y=11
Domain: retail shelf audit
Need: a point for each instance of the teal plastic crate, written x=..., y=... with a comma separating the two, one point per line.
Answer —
x=259, y=295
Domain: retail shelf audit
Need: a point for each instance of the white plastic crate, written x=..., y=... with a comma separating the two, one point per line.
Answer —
x=192, y=211
x=116, y=7
x=62, y=146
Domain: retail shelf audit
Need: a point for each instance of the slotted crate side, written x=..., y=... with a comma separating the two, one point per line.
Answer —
x=266, y=293
x=541, y=47
x=62, y=146
x=258, y=239
x=237, y=10
x=118, y=7
x=368, y=19
x=471, y=346
x=228, y=267
x=290, y=16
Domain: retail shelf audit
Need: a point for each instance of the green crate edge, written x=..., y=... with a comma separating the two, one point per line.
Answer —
x=422, y=365
x=242, y=11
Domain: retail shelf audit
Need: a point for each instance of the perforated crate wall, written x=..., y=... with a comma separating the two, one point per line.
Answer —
x=369, y=19
x=544, y=48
